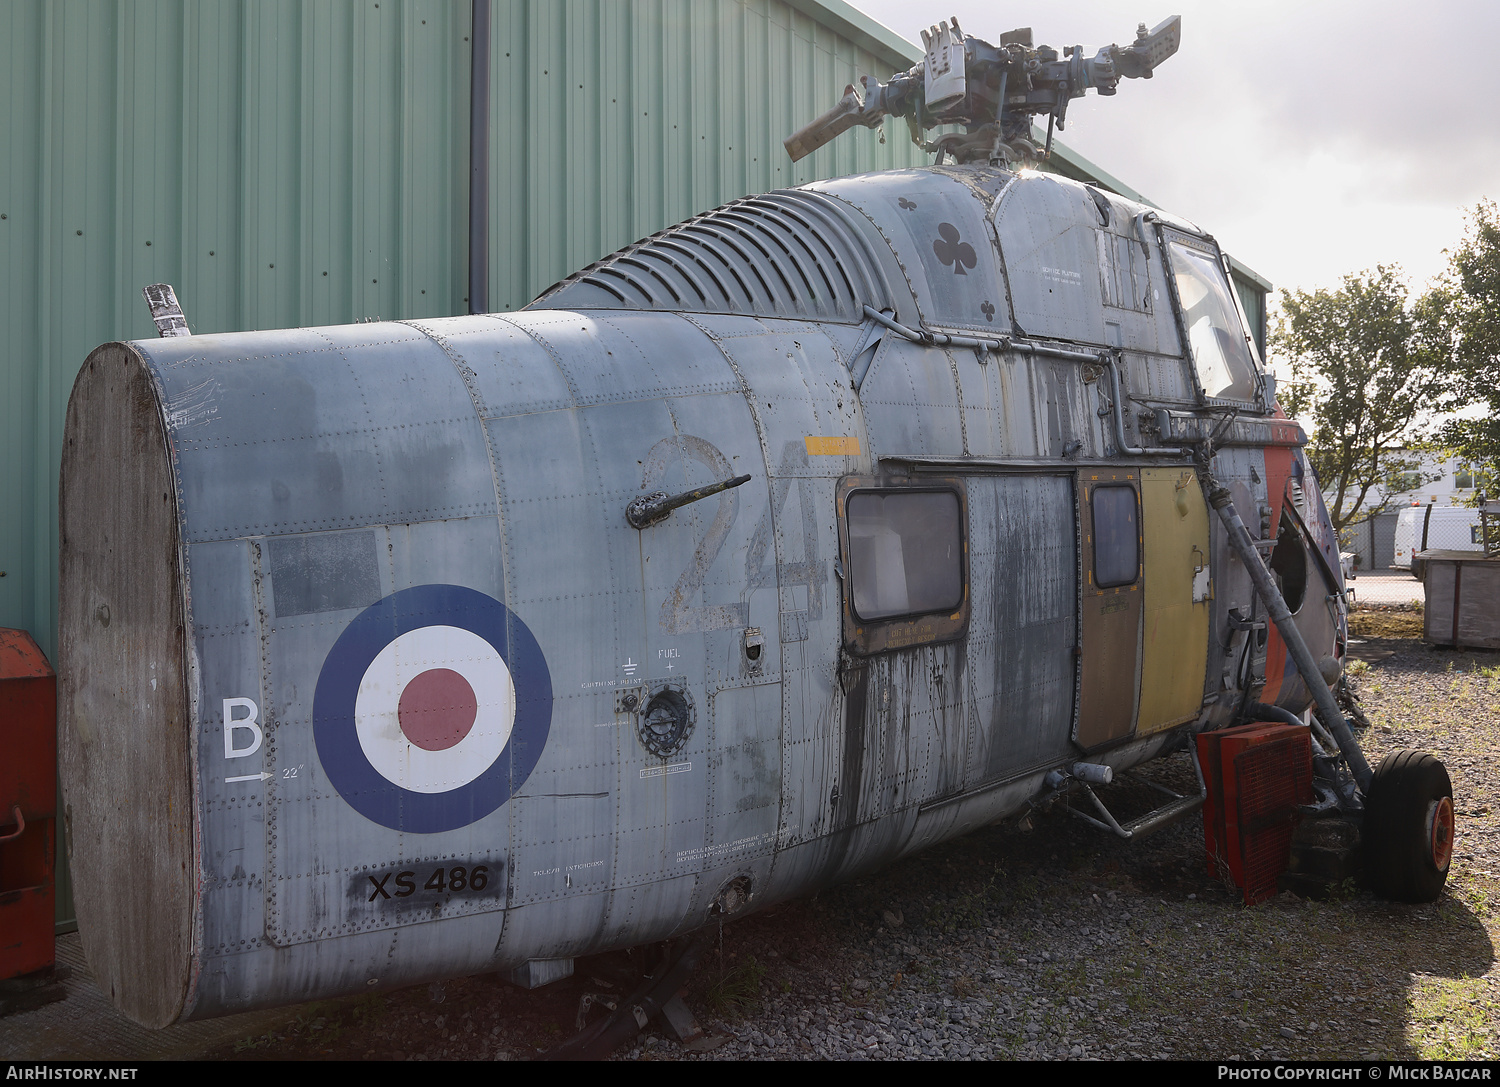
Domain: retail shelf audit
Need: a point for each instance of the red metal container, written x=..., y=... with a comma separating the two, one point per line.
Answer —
x=1257, y=776
x=28, y=805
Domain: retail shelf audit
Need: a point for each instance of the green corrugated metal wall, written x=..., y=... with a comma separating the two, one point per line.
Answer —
x=292, y=164
x=286, y=164
x=617, y=119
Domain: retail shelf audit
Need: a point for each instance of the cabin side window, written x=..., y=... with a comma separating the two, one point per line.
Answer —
x=1117, y=538
x=905, y=556
x=1221, y=353
x=905, y=553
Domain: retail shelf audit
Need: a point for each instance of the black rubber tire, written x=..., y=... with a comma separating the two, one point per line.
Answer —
x=1406, y=791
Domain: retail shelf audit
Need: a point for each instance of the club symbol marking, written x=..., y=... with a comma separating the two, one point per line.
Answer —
x=951, y=249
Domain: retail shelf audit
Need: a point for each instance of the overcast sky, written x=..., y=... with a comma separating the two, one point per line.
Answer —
x=1312, y=138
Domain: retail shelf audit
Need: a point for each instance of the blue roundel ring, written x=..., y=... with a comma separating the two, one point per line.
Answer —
x=367, y=790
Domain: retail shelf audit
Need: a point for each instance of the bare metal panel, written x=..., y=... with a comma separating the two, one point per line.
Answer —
x=911, y=401
x=1023, y=570
x=746, y=736
x=981, y=397
x=602, y=362
x=811, y=432
x=1063, y=405
x=939, y=230
x=327, y=572
x=689, y=563
x=1075, y=276
x=301, y=476
x=1046, y=229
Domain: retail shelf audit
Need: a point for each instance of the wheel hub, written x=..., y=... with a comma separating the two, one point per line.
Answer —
x=1440, y=832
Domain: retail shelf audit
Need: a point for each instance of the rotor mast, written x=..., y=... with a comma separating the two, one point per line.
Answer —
x=992, y=91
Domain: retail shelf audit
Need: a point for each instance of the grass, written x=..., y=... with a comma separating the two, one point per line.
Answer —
x=736, y=991
x=970, y=909
x=1347, y=891
x=322, y=1022
x=1451, y=1019
x=1385, y=624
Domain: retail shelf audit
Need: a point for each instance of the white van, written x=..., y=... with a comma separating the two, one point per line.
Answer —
x=1431, y=527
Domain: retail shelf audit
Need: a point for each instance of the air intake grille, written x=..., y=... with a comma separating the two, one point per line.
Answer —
x=1273, y=778
x=787, y=254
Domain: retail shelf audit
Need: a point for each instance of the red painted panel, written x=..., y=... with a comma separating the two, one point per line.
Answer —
x=1256, y=774
x=28, y=804
x=1278, y=658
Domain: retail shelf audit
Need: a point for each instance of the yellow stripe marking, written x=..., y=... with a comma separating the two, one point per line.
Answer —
x=831, y=446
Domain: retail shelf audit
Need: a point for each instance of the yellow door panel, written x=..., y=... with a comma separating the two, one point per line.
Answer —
x=1174, y=650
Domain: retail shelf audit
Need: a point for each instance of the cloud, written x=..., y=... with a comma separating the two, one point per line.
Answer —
x=1312, y=138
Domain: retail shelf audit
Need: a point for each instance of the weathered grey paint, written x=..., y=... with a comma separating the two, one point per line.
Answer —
x=491, y=458
x=289, y=164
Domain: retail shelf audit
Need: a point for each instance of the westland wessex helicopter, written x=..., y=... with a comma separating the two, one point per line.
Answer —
x=812, y=531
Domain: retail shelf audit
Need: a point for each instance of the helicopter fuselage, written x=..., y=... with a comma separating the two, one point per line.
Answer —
x=367, y=679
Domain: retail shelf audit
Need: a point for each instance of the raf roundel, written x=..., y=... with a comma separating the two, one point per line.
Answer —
x=432, y=708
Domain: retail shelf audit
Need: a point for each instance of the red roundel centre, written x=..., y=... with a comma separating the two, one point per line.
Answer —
x=437, y=709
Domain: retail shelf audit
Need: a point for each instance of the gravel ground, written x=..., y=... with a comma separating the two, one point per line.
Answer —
x=1050, y=940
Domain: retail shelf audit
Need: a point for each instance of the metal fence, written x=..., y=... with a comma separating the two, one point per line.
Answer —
x=1373, y=541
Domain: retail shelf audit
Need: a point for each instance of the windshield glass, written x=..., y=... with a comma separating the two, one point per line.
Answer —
x=1220, y=353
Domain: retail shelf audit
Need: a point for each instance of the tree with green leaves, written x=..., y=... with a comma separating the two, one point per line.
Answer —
x=1469, y=298
x=1370, y=367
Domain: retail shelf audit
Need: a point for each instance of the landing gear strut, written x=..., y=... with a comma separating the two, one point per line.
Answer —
x=1407, y=829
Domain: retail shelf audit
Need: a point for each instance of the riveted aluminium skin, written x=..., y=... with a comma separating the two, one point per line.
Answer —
x=308, y=483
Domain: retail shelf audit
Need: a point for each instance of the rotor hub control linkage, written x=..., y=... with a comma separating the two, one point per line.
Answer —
x=993, y=91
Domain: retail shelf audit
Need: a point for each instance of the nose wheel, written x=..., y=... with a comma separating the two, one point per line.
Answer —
x=1409, y=827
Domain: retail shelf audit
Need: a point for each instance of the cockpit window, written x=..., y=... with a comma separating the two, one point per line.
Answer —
x=1221, y=354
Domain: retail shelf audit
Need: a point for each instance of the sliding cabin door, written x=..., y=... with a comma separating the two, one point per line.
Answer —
x=1110, y=605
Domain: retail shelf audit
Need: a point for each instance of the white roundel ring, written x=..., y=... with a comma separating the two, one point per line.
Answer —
x=434, y=709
